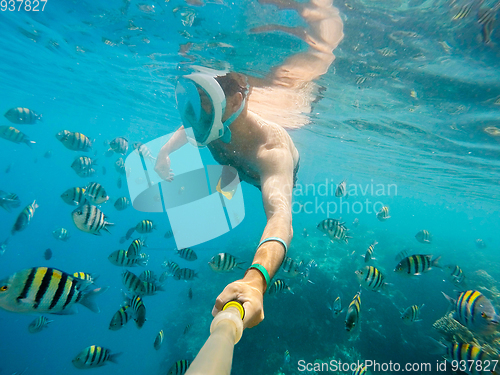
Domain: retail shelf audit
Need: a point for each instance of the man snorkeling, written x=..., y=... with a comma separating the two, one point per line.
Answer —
x=242, y=121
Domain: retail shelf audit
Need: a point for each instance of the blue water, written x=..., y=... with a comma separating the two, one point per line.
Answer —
x=108, y=69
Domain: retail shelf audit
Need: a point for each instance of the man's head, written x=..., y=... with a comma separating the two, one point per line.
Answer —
x=209, y=101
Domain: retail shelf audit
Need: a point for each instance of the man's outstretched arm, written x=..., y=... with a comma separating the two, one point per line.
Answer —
x=276, y=186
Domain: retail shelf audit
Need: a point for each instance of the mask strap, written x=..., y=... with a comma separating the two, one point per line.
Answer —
x=226, y=138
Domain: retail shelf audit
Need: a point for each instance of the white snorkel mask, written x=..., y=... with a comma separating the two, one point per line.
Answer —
x=201, y=103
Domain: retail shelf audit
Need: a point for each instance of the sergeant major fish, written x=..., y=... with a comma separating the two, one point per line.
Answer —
x=12, y=134
x=279, y=286
x=95, y=193
x=94, y=356
x=411, y=314
x=224, y=262
x=21, y=115
x=8, y=201
x=187, y=254
x=371, y=278
x=122, y=203
x=337, y=307
x=383, y=214
x=180, y=367
x=24, y=218
x=74, y=196
x=159, y=340
x=46, y=290
x=119, y=145
x=39, y=324
x=120, y=318
x=475, y=311
x=369, y=252
x=74, y=141
x=353, y=312
x=90, y=219
x=341, y=190
x=424, y=236
x=61, y=234
x=416, y=265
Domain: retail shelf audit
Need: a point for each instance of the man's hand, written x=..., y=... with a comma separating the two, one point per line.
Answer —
x=162, y=168
x=248, y=293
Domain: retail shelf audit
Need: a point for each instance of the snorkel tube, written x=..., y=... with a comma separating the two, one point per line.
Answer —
x=216, y=355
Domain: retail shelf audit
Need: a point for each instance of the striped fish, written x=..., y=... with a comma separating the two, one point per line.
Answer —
x=150, y=288
x=361, y=370
x=187, y=254
x=83, y=166
x=168, y=234
x=74, y=196
x=224, y=262
x=134, y=250
x=137, y=306
x=145, y=226
x=120, y=166
x=424, y=236
x=341, y=190
x=90, y=219
x=21, y=115
x=120, y=258
x=95, y=193
x=463, y=11
x=369, y=252
x=411, y=314
x=290, y=267
x=8, y=201
x=159, y=340
x=94, y=356
x=455, y=275
x=475, y=311
x=89, y=278
x=416, y=265
x=185, y=274
x=61, y=234
x=401, y=255
x=46, y=290
x=147, y=276
x=337, y=307
x=39, y=324
x=353, y=312
x=179, y=367
x=24, y=218
x=383, y=214
x=120, y=318
x=171, y=267
x=468, y=357
x=132, y=282
x=371, y=278
x=74, y=141
x=12, y=134
x=119, y=145
x=279, y=286
x=334, y=229
x=122, y=203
